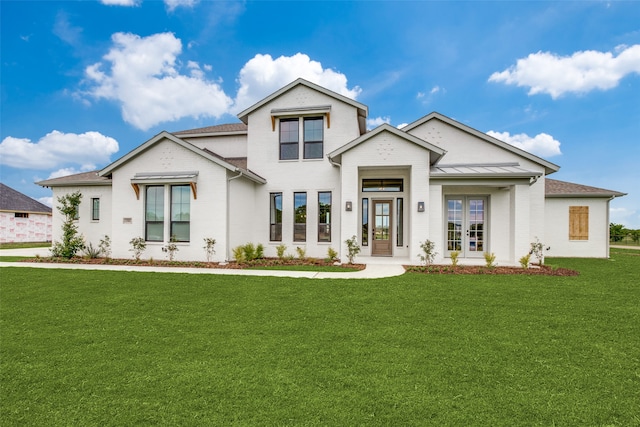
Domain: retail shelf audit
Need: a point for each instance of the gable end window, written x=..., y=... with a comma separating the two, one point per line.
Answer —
x=313, y=137
x=578, y=222
x=289, y=139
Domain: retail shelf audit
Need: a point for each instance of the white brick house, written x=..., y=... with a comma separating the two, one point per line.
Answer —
x=300, y=169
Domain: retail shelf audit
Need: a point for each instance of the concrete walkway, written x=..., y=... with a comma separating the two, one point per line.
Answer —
x=372, y=271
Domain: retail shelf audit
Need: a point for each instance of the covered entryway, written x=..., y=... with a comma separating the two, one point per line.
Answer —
x=467, y=221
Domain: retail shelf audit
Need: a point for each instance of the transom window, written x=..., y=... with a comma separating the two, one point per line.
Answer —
x=389, y=184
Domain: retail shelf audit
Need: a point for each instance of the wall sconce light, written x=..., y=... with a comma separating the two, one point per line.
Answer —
x=349, y=207
x=420, y=206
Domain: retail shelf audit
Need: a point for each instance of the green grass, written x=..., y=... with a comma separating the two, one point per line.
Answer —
x=13, y=258
x=22, y=245
x=112, y=348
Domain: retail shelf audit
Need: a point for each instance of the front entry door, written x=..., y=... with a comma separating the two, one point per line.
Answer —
x=466, y=225
x=382, y=228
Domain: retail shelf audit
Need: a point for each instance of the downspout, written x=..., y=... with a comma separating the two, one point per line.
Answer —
x=228, y=232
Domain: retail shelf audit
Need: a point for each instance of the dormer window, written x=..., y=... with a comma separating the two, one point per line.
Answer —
x=311, y=132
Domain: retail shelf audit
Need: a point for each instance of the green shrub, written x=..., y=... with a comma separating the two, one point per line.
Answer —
x=91, y=252
x=429, y=252
x=138, y=245
x=72, y=242
x=259, y=251
x=524, y=261
x=239, y=254
x=332, y=255
x=302, y=252
x=280, y=250
x=171, y=248
x=105, y=246
x=208, y=247
x=353, y=248
x=490, y=259
x=454, y=258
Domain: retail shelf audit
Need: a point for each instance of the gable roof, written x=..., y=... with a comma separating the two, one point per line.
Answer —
x=555, y=188
x=84, y=178
x=107, y=171
x=439, y=152
x=218, y=130
x=14, y=201
x=548, y=166
x=363, y=110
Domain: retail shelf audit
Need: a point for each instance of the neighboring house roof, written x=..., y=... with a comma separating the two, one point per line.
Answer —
x=487, y=170
x=549, y=167
x=336, y=155
x=84, y=178
x=14, y=201
x=363, y=110
x=555, y=188
x=217, y=130
x=107, y=171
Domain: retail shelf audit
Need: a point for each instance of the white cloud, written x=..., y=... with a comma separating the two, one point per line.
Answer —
x=173, y=4
x=65, y=31
x=628, y=217
x=143, y=76
x=541, y=145
x=377, y=121
x=56, y=149
x=263, y=75
x=120, y=2
x=71, y=171
x=402, y=125
x=545, y=72
x=46, y=200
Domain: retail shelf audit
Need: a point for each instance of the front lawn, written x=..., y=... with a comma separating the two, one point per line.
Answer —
x=117, y=348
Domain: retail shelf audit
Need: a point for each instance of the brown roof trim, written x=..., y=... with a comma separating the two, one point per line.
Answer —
x=556, y=188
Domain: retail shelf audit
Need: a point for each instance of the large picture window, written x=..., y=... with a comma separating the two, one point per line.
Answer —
x=154, y=213
x=324, y=216
x=300, y=217
x=313, y=137
x=180, y=213
x=275, y=217
x=289, y=139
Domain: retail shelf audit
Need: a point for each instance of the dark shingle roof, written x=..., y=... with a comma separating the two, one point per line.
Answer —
x=14, y=201
x=555, y=188
x=229, y=127
x=84, y=178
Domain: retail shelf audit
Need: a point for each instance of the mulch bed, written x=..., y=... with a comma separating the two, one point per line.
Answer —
x=475, y=269
x=265, y=262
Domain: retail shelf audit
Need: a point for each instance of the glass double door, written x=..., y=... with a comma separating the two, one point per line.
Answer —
x=466, y=225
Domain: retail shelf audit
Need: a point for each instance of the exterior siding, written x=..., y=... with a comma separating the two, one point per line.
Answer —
x=557, y=228
x=208, y=212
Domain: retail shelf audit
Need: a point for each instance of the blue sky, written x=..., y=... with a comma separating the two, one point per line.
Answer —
x=84, y=82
